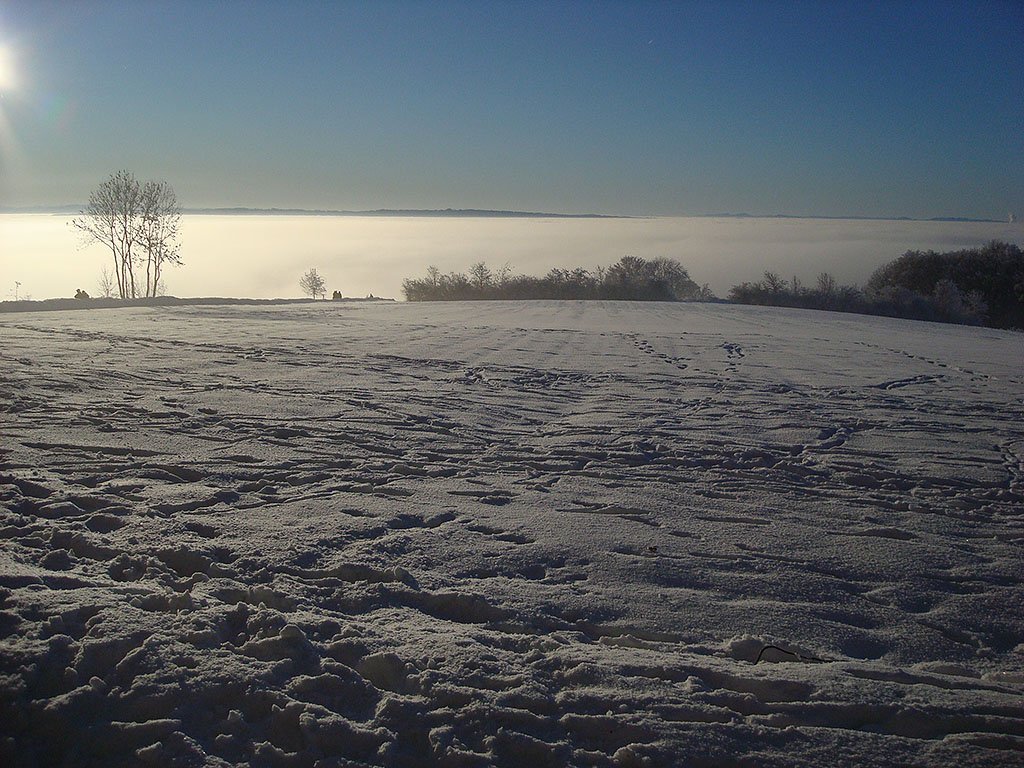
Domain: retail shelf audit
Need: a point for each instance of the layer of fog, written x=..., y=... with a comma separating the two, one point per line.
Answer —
x=264, y=256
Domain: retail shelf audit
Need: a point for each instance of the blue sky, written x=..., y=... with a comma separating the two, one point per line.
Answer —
x=821, y=108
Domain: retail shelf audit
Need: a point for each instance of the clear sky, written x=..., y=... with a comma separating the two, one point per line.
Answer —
x=822, y=108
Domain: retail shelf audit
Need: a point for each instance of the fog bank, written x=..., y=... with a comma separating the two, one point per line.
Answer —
x=264, y=256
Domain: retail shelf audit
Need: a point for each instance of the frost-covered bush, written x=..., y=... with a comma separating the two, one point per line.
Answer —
x=981, y=285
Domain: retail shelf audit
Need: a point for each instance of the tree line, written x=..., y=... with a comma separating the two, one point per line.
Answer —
x=974, y=286
x=631, y=278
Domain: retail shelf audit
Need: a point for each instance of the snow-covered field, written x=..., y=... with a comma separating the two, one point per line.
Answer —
x=519, y=534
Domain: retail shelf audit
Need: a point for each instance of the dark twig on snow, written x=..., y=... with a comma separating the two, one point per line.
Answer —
x=797, y=656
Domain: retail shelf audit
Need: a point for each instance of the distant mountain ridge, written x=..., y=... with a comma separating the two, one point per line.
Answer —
x=484, y=213
x=456, y=212
x=843, y=218
x=409, y=212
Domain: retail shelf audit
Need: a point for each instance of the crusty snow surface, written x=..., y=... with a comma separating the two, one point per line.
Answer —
x=519, y=534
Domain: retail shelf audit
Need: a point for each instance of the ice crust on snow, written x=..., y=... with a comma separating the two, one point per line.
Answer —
x=522, y=534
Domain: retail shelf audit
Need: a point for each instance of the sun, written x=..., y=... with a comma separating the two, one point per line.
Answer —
x=8, y=73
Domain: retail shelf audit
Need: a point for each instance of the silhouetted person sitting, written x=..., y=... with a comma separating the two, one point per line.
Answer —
x=336, y=295
x=80, y=294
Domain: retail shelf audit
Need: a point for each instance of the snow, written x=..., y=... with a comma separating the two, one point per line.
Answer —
x=521, y=534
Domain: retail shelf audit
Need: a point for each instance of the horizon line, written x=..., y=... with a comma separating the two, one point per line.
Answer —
x=501, y=213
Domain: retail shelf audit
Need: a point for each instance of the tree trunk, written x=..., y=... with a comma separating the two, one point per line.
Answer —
x=117, y=274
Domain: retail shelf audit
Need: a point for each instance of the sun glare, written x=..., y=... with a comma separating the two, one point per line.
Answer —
x=8, y=76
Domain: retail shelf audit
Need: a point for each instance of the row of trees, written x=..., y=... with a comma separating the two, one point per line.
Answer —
x=978, y=286
x=946, y=304
x=988, y=282
x=139, y=223
x=631, y=278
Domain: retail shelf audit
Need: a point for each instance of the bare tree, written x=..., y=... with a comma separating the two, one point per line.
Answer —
x=674, y=276
x=109, y=218
x=480, y=275
x=826, y=284
x=106, y=283
x=313, y=284
x=628, y=269
x=503, y=274
x=773, y=283
x=705, y=293
x=158, y=229
x=137, y=223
